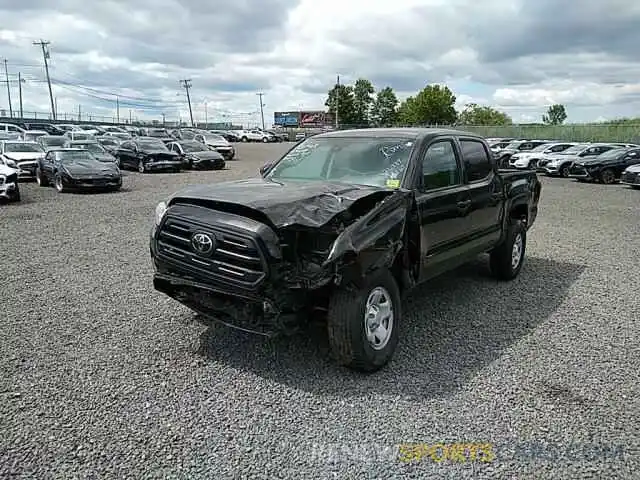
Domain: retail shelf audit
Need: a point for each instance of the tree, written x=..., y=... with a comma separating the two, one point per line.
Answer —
x=362, y=101
x=556, y=115
x=474, y=114
x=340, y=98
x=433, y=105
x=384, y=108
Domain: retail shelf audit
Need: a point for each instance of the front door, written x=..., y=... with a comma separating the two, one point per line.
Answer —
x=443, y=202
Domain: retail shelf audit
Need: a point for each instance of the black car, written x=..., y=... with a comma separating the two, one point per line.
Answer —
x=110, y=144
x=147, y=154
x=45, y=127
x=197, y=156
x=279, y=135
x=95, y=148
x=77, y=169
x=48, y=142
x=607, y=167
x=228, y=135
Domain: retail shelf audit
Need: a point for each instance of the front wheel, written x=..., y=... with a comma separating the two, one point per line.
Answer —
x=141, y=168
x=41, y=179
x=607, y=176
x=265, y=140
x=58, y=183
x=507, y=258
x=363, y=324
x=564, y=171
x=244, y=139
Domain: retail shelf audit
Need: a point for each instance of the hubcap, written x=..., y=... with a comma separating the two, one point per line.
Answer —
x=378, y=318
x=141, y=167
x=516, y=251
x=59, y=183
x=607, y=177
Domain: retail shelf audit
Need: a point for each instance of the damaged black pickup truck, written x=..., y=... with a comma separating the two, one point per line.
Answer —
x=343, y=224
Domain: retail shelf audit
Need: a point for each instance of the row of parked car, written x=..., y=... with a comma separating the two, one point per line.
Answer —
x=84, y=161
x=586, y=162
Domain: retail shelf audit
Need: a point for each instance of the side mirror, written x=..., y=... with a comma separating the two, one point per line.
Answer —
x=264, y=168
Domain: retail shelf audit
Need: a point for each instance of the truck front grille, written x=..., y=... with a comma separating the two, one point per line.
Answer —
x=236, y=258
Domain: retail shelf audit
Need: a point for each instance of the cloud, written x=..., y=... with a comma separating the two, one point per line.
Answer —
x=518, y=55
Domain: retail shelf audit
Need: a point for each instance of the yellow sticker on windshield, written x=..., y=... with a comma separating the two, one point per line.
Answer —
x=393, y=183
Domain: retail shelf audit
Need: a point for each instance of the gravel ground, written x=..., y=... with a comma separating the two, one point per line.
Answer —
x=101, y=377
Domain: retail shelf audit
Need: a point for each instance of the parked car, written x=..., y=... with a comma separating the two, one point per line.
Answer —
x=109, y=143
x=47, y=127
x=278, y=136
x=71, y=169
x=147, y=154
x=9, y=188
x=52, y=141
x=197, y=156
x=91, y=129
x=344, y=223
x=22, y=155
x=217, y=143
x=13, y=130
x=228, y=135
x=558, y=164
x=607, y=167
x=33, y=135
x=253, y=136
x=114, y=129
x=119, y=135
x=69, y=127
x=631, y=176
x=75, y=135
x=97, y=150
x=505, y=154
x=300, y=136
x=530, y=159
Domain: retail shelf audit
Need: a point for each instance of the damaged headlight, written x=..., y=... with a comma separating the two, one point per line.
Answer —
x=161, y=210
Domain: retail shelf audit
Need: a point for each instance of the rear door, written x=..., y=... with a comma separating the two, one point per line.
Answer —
x=485, y=191
x=443, y=202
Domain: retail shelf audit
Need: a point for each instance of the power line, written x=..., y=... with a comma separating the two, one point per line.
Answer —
x=186, y=83
x=46, y=56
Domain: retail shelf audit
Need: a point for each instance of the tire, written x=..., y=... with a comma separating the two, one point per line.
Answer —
x=503, y=257
x=346, y=323
x=244, y=139
x=607, y=176
x=41, y=180
x=265, y=140
x=635, y=187
x=58, y=183
x=564, y=170
x=504, y=162
x=141, y=168
x=532, y=164
x=17, y=196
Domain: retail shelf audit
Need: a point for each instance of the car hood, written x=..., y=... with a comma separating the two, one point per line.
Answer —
x=595, y=161
x=205, y=155
x=89, y=168
x=161, y=155
x=19, y=156
x=217, y=144
x=308, y=204
x=571, y=158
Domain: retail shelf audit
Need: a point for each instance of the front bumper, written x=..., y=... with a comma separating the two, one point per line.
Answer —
x=630, y=178
x=208, y=164
x=9, y=191
x=581, y=173
x=163, y=166
x=227, y=152
x=27, y=170
x=91, y=183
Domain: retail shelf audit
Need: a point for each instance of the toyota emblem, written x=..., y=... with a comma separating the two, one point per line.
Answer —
x=203, y=243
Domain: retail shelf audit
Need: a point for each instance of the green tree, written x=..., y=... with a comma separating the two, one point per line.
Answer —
x=474, y=114
x=433, y=105
x=384, y=108
x=340, y=98
x=362, y=101
x=556, y=115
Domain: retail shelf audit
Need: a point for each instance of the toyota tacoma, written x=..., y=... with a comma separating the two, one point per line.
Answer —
x=344, y=224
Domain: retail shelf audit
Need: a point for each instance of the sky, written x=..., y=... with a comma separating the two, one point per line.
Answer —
x=519, y=56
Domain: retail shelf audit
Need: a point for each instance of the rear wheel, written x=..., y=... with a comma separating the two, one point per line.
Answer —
x=506, y=259
x=564, y=171
x=362, y=325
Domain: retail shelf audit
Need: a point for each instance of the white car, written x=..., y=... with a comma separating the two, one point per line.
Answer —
x=529, y=159
x=254, y=136
x=76, y=135
x=118, y=135
x=33, y=135
x=631, y=176
x=69, y=127
x=11, y=129
x=9, y=189
x=218, y=143
x=21, y=155
x=112, y=129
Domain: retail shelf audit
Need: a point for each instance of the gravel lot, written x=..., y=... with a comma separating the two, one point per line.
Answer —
x=101, y=377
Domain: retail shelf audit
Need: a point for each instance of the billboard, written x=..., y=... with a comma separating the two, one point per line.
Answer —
x=286, y=119
x=315, y=119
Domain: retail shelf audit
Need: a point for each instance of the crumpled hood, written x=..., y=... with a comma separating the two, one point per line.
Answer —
x=20, y=156
x=105, y=157
x=4, y=170
x=89, y=168
x=310, y=204
x=161, y=156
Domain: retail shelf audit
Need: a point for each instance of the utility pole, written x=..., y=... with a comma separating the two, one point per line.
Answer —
x=117, y=109
x=79, y=113
x=186, y=83
x=163, y=120
x=55, y=107
x=260, y=95
x=206, y=119
x=337, y=99
x=130, y=117
x=20, y=82
x=45, y=55
x=6, y=72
